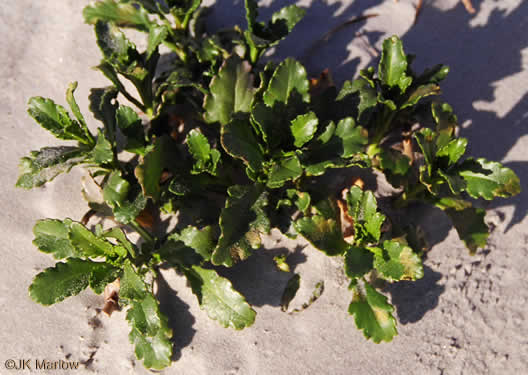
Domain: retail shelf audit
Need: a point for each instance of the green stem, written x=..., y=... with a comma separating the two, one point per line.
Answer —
x=142, y=231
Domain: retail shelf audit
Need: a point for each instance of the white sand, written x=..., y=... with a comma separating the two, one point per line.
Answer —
x=467, y=316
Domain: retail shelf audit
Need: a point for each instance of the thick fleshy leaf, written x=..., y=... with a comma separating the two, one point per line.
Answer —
x=104, y=108
x=103, y=152
x=231, y=91
x=52, y=236
x=132, y=128
x=393, y=64
x=454, y=150
x=303, y=128
x=116, y=48
x=150, y=169
x=358, y=262
x=287, y=168
x=44, y=165
x=219, y=299
x=446, y=121
x=367, y=94
x=284, y=20
x=115, y=189
x=68, y=279
x=470, y=226
x=394, y=161
x=372, y=313
x=323, y=230
x=290, y=291
x=239, y=141
x=56, y=119
x=121, y=13
x=70, y=98
x=397, y=261
x=205, y=158
x=157, y=35
x=150, y=333
x=241, y=222
x=419, y=93
x=87, y=243
x=489, y=179
x=433, y=75
x=289, y=77
x=362, y=207
x=202, y=241
x=132, y=286
x=352, y=138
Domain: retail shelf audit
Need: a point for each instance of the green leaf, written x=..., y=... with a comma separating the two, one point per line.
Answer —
x=132, y=128
x=116, y=48
x=132, y=287
x=419, y=93
x=116, y=189
x=104, y=109
x=446, y=121
x=372, y=314
x=454, y=150
x=44, y=165
x=118, y=234
x=397, y=261
x=202, y=241
x=218, y=298
x=150, y=169
x=323, y=230
x=303, y=128
x=290, y=291
x=156, y=36
x=150, y=333
x=358, y=262
x=76, y=111
x=239, y=141
x=393, y=64
x=103, y=152
x=122, y=14
x=470, y=226
x=352, y=138
x=362, y=206
x=206, y=159
x=284, y=20
x=55, y=118
x=489, y=179
x=231, y=91
x=241, y=222
x=394, y=161
x=289, y=77
x=51, y=236
x=288, y=167
x=368, y=97
x=68, y=279
x=87, y=243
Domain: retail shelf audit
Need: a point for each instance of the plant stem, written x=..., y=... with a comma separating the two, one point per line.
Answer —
x=142, y=231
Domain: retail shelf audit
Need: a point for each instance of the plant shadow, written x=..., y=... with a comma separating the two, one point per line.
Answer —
x=413, y=299
x=181, y=321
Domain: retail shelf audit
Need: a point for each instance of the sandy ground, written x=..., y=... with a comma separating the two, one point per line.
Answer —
x=466, y=316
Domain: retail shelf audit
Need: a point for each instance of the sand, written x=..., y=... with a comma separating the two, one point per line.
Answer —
x=466, y=316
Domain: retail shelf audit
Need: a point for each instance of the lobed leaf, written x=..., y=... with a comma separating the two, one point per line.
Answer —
x=489, y=179
x=44, y=165
x=123, y=14
x=218, y=298
x=239, y=141
x=241, y=222
x=286, y=168
x=70, y=278
x=362, y=207
x=372, y=313
x=289, y=77
x=397, y=261
x=303, y=128
x=52, y=236
x=54, y=118
x=231, y=91
x=393, y=64
x=470, y=226
x=150, y=333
